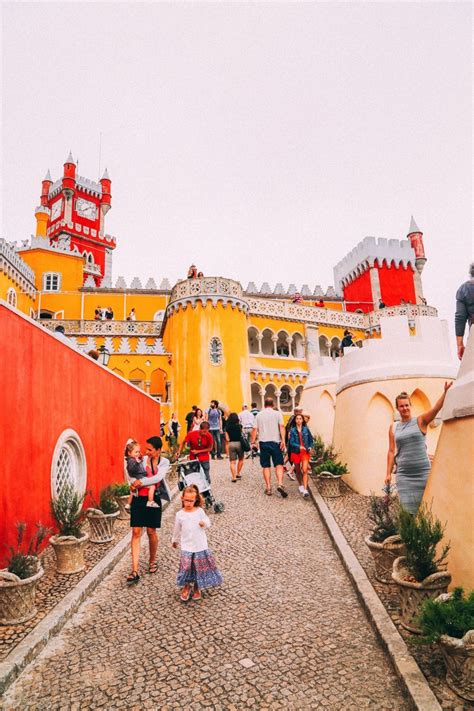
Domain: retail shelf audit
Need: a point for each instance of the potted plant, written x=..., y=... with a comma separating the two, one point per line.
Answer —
x=448, y=621
x=418, y=574
x=102, y=518
x=121, y=493
x=384, y=542
x=328, y=476
x=70, y=541
x=19, y=579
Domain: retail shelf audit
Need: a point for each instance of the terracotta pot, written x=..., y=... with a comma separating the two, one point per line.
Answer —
x=69, y=552
x=412, y=594
x=329, y=485
x=102, y=525
x=123, y=513
x=384, y=553
x=17, y=597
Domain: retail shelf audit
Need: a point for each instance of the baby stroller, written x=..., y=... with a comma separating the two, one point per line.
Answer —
x=191, y=472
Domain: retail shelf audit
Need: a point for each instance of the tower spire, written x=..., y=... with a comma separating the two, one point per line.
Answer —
x=413, y=227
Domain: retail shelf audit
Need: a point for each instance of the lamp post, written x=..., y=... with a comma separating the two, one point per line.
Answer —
x=104, y=355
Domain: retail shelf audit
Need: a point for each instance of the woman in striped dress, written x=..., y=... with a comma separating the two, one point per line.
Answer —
x=407, y=439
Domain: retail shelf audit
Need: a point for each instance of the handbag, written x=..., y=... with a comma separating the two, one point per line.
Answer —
x=244, y=443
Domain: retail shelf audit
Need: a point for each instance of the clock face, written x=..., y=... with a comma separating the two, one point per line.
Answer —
x=85, y=208
x=56, y=209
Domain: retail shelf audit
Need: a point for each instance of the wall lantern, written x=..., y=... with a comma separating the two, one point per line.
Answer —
x=104, y=355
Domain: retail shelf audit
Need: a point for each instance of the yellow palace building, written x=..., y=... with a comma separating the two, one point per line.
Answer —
x=201, y=338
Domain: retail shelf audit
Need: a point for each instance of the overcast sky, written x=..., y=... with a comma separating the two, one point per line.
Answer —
x=260, y=141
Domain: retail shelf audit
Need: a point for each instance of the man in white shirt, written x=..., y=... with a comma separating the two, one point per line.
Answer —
x=271, y=434
x=247, y=420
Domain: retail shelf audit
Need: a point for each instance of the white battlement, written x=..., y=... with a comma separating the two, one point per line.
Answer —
x=279, y=290
x=369, y=251
x=398, y=354
x=10, y=260
x=89, y=185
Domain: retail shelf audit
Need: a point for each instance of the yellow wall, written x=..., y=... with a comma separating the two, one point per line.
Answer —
x=450, y=490
x=24, y=301
x=277, y=362
x=363, y=416
x=187, y=334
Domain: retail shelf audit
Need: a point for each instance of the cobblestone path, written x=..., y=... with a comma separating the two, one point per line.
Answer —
x=285, y=630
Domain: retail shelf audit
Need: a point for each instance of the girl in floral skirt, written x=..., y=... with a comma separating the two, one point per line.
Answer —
x=197, y=567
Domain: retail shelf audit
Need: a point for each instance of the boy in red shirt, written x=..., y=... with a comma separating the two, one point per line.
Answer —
x=201, y=443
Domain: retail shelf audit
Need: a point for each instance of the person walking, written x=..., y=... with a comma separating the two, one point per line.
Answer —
x=271, y=434
x=464, y=310
x=299, y=446
x=233, y=436
x=142, y=515
x=247, y=420
x=197, y=567
x=132, y=315
x=254, y=409
x=407, y=439
x=200, y=445
x=214, y=417
x=189, y=418
x=292, y=469
x=174, y=427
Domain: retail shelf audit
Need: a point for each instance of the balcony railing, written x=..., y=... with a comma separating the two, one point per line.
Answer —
x=105, y=328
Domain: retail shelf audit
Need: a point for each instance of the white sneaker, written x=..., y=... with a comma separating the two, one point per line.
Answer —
x=301, y=489
x=305, y=494
x=152, y=505
x=290, y=474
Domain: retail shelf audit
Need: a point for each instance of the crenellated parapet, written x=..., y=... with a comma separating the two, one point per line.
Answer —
x=15, y=268
x=212, y=290
x=368, y=252
x=80, y=229
x=279, y=291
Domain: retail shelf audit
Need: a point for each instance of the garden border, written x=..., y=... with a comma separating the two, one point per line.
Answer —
x=34, y=642
x=404, y=664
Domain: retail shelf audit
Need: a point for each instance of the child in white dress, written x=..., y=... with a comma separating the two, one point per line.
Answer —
x=197, y=567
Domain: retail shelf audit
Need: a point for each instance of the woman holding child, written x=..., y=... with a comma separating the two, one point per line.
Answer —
x=142, y=514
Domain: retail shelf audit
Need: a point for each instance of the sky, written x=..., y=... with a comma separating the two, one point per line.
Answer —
x=260, y=141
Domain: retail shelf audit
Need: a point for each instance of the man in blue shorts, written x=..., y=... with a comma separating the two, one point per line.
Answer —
x=271, y=435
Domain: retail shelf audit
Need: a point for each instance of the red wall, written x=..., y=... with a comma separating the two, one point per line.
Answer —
x=46, y=388
x=359, y=290
x=396, y=283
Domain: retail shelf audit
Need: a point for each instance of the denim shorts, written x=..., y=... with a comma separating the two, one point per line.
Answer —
x=270, y=452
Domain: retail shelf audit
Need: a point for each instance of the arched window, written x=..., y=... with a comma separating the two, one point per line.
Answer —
x=252, y=334
x=297, y=347
x=159, y=315
x=267, y=343
x=68, y=468
x=298, y=394
x=285, y=399
x=11, y=297
x=283, y=349
x=215, y=350
x=323, y=346
x=256, y=394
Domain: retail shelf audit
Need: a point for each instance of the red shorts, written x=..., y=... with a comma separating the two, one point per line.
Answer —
x=298, y=457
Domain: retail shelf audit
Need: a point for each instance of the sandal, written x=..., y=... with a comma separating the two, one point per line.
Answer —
x=133, y=578
x=196, y=595
x=268, y=492
x=152, y=568
x=184, y=597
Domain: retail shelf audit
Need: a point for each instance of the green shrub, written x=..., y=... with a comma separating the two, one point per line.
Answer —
x=383, y=513
x=122, y=489
x=453, y=617
x=23, y=558
x=107, y=503
x=320, y=452
x=421, y=534
x=67, y=511
x=331, y=466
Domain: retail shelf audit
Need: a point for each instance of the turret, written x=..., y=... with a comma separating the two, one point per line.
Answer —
x=106, y=199
x=69, y=177
x=45, y=186
x=415, y=235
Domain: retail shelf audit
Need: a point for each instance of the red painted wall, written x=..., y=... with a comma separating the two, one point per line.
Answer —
x=359, y=291
x=46, y=388
x=396, y=283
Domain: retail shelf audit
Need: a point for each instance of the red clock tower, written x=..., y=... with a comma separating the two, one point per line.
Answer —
x=74, y=210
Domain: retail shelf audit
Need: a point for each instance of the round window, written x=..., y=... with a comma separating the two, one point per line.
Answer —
x=68, y=469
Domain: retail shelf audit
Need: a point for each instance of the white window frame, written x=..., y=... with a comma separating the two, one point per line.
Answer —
x=12, y=298
x=220, y=352
x=50, y=276
x=70, y=440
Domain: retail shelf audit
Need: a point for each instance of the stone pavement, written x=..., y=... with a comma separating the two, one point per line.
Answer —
x=285, y=630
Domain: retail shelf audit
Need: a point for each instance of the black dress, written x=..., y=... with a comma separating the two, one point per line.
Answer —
x=143, y=516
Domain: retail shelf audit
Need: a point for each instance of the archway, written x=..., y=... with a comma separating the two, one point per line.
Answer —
x=282, y=347
x=267, y=342
x=297, y=346
x=158, y=384
x=323, y=346
x=286, y=402
x=256, y=394
x=137, y=377
x=252, y=335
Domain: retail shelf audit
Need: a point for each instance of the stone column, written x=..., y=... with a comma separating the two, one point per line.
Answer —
x=259, y=339
x=288, y=341
x=277, y=395
x=274, y=339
